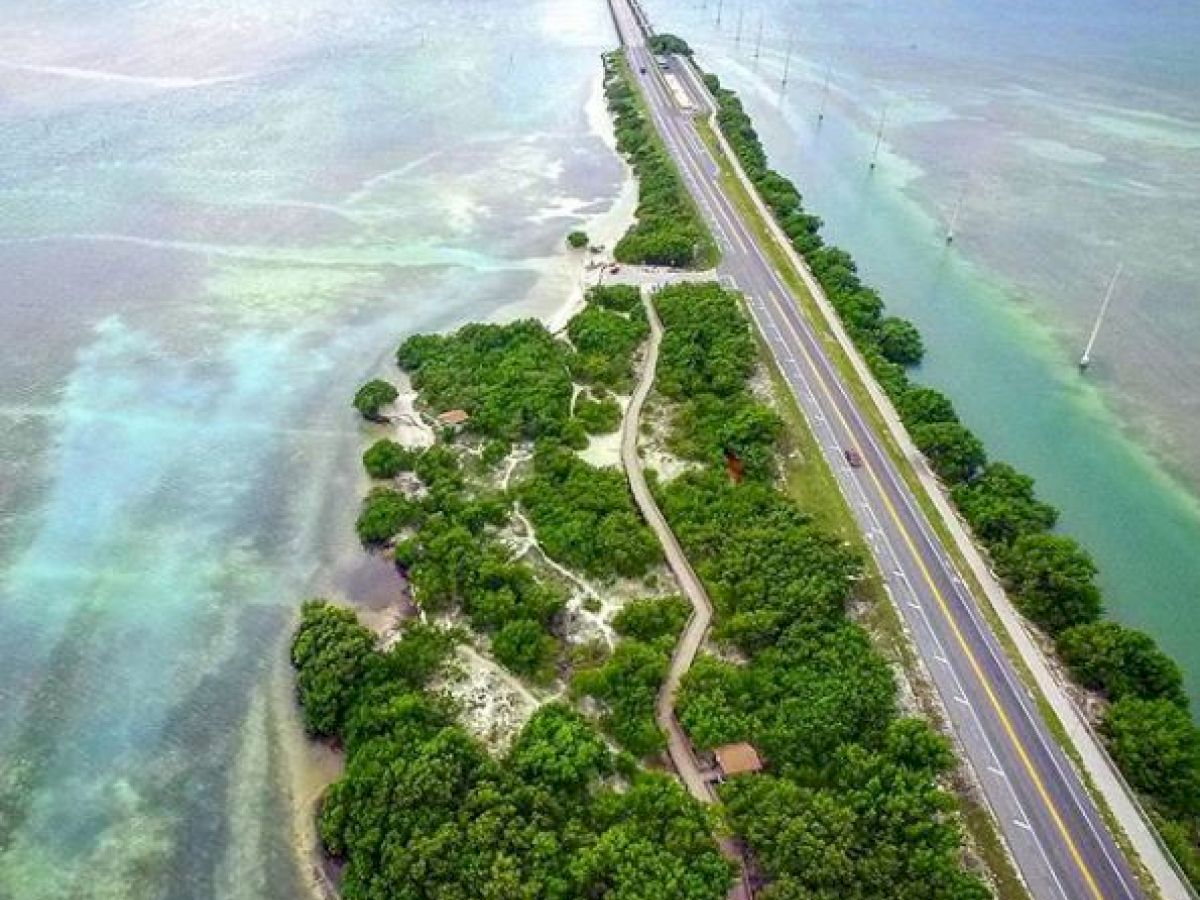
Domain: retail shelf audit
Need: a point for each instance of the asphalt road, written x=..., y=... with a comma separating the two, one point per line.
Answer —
x=1056, y=835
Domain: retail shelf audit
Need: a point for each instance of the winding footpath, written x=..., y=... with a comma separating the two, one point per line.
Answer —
x=679, y=748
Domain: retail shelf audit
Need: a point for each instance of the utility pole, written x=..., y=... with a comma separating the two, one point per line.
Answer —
x=1086, y=359
x=824, y=94
x=758, y=40
x=738, y=37
x=962, y=196
x=720, y=5
x=878, y=139
x=787, y=60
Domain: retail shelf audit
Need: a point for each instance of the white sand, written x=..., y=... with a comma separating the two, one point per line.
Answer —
x=408, y=427
x=493, y=705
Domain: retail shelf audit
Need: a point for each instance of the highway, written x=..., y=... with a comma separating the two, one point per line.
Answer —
x=1056, y=835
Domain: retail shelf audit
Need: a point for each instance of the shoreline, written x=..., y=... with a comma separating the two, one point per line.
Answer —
x=357, y=578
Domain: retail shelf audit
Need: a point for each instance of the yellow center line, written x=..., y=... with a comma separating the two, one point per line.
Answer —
x=962, y=642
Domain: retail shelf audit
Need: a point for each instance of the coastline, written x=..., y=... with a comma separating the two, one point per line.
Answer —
x=365, y=581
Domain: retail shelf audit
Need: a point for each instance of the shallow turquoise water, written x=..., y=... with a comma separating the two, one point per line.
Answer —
x=215, y=219
x=1073, y=132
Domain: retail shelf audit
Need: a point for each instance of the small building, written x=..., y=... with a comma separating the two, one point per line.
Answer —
x=737, y=759
x=453, y=418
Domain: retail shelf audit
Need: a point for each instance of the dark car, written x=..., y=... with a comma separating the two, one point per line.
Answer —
x=853, y=457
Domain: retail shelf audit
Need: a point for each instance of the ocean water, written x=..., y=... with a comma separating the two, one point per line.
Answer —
x=216, y=218
x=1071, y=133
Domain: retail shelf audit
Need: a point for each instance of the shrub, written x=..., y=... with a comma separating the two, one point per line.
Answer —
x=577, y=240
x=525, y=648
x=599, y=416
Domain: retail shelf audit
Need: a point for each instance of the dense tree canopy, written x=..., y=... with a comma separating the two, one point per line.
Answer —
x=920, y=405
x=955, y=454
x=1157, y=746
x=705, y=362
x=330, y=652
x=424, y=811
x=512, y=379
x=1121, y=662
x=598, y=416
x=1001, y=506
x=617, y=297
x=664, y=43
x=1052, y=580
x=652, y=620
x=585, y=517
x=900, y=342
x=627, y=685
x=605, y=342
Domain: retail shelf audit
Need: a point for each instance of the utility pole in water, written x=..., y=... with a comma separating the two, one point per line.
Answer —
x=878, y=139
x=787, y=60
x=738, y=37
x=824, y=94
x=758, y=40
x=720, y=4
x=962, y=196
x=1086, y=359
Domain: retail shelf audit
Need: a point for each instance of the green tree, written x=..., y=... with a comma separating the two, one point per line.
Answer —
x=524, y=647
x=385, y=513
x=557, y=748
x=1001, y=506
x=387, y=459
x=920, y=405
x=330, y=652
x=954, y=452
x=1052, y=580
x=900, y=341
x=627, y=685
x=653, y=619
x=372, y=397
x=1120, y=661
x=577, y=240
x=665, y=43
x=1157, y=747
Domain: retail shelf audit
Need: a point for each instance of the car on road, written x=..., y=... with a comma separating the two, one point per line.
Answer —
x=853, y=457
x=642, y=69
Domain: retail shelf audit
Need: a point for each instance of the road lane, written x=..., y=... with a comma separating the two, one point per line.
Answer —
x=1057, y=836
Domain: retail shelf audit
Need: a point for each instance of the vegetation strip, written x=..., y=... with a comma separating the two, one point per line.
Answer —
x=1050, y=577
x=669, y=230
